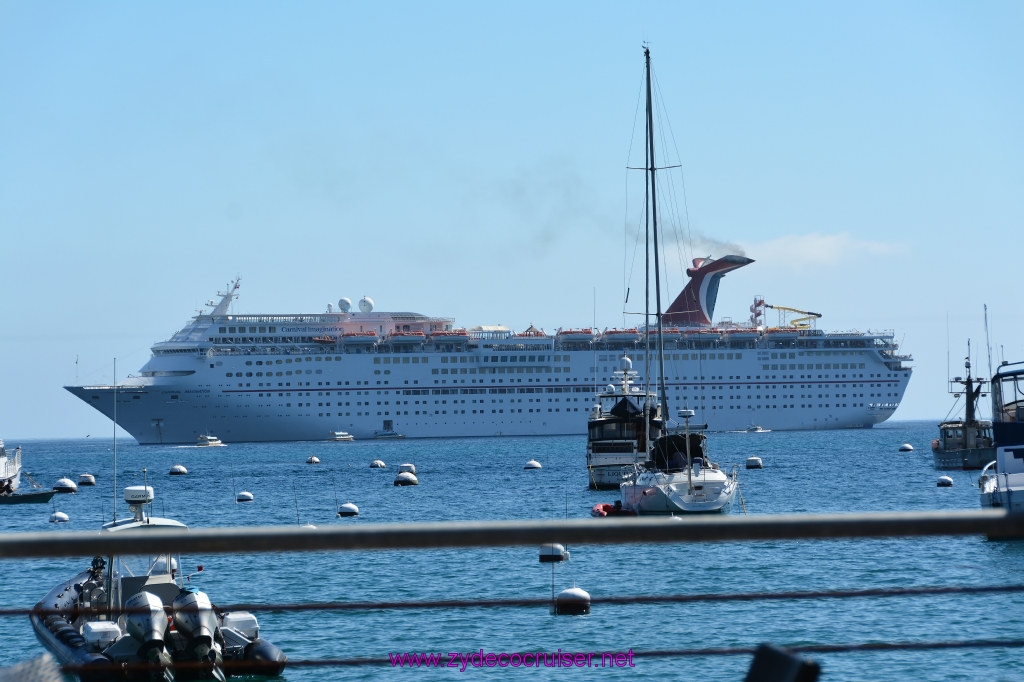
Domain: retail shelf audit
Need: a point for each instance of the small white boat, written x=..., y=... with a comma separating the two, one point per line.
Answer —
x=208, y=440
x=340, y=436
x=1002, y=481
x=135, y=610
x=386, y=434
x=756, y=428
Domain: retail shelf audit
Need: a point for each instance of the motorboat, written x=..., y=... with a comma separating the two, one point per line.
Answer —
x=617, y=437
x=136, y=617
x=208, y=440
x=965, y=443
x=1002, y=481
x=340, y=436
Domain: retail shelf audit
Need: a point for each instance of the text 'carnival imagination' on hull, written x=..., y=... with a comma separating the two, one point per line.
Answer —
x=300, y=377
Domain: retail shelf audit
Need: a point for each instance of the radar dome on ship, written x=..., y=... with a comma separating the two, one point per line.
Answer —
x=625, y=364
x=344, y=305
x=366, y=304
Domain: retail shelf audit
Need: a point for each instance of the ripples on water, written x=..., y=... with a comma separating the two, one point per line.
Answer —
x=461, y=479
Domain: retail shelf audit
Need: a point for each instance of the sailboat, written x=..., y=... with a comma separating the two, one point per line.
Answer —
x=678, y=476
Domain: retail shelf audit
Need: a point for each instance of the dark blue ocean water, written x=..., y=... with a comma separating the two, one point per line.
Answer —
x=460, y=479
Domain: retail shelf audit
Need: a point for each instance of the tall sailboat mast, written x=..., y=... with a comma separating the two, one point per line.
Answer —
x=653, y=218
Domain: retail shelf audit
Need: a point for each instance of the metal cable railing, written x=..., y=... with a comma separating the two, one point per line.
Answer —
x=993, y=523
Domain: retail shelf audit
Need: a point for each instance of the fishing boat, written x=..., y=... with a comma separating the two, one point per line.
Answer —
x=1002, y=481
x=617, y=439
x=965, y=443
x=341, y=436
x=207, y=440
x=679, y=477
x=35, y=496
x=137, y=618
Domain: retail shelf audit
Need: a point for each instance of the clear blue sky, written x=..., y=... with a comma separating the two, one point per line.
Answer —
x=468, y=159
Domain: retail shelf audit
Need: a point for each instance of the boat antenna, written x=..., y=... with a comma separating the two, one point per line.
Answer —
x=115, y=439
x=988, y=344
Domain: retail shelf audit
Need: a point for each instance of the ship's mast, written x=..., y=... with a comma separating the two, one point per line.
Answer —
x=653, y=217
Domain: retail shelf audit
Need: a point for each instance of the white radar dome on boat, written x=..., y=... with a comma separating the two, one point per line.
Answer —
x=609, y=389
x=625, y=364
x=366, y=304
x=138, y=494
x=344, y=305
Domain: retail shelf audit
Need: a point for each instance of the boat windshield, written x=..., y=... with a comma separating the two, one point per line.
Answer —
x=134, y=566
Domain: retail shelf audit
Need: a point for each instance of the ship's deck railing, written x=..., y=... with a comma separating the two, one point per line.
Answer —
x=994, y=523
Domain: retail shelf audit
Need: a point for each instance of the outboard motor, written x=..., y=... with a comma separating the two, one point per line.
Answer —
x=194, y=617
x=146, y=622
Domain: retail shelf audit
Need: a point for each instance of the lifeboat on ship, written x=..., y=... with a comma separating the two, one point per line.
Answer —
x=359, y=338
x=575, y=335
x=450, y=336
x=703, y=334
x=620, y=336
x=668, y=334
x=325, y=340
x=740, y=334
x=406, y=338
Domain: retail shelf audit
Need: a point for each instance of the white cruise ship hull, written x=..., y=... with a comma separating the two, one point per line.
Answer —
x=298, y=377
x=527, y=397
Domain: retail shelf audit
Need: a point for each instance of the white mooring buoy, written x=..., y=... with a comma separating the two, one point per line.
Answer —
x=377, y=464
x=553, y=552
x=313, y=459
x=178, y=470
x=59, y=517
x=348, y=509
x=944, y=482
x=65, y=485
x=572, y=602
x=410, y=468
x=406, y=478
x=754, y=463
x=906, y=447
x=86, y=479
x=244, y=496
x=532, y=464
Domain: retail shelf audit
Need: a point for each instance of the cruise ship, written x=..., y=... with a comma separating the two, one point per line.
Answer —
x=292, y=377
